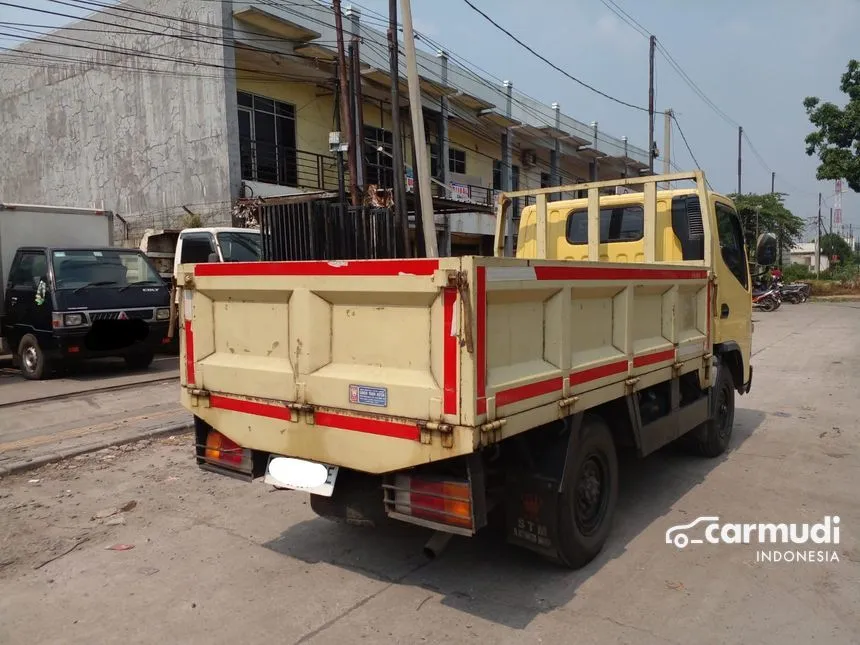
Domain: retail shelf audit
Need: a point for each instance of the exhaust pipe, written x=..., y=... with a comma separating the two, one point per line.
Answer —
x=436, y=544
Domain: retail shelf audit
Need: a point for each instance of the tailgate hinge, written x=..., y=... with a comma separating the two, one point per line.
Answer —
x=199, y=396
x=445, y=430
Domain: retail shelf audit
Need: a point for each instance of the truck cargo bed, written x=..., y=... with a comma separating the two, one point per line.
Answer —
x=379, y=365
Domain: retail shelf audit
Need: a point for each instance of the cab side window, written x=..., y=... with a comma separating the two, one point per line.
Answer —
x=30, y=267
x=617, y=224
x=732, y=243
x=196, y=247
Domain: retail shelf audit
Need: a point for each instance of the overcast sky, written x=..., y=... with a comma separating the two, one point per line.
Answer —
x=756, y=60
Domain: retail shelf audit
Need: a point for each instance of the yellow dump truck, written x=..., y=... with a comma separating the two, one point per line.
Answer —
x=435, y=391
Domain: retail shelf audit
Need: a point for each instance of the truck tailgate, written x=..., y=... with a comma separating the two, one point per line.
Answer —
x=335, y=361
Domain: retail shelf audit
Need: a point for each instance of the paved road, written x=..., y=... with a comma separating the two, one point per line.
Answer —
x=103, y=401
x=221, y=561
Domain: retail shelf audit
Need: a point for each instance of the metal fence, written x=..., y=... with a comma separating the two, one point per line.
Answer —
x=273, y=164
x=323, y=230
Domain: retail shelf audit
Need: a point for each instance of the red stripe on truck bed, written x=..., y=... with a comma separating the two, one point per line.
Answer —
x=450, y=353
x=616, y=273
x=481, y=350
x=522, y=392
x=250, y=407
x=656, y=357
x=594, y=373
x=362, y=268
x=370, y=426
x=189, y=353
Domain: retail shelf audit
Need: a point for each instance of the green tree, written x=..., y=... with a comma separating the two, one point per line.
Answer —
x=836, y=140
x=767, y=214
x=833, y=244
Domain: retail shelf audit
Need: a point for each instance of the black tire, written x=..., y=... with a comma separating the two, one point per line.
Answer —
x=590, y=492
x=139, y=360
x=31, y=359
x=712, y=438
x=768, y=304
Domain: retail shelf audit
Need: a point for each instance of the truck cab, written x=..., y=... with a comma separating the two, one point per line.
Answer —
x=66, y=304
x=217, y=244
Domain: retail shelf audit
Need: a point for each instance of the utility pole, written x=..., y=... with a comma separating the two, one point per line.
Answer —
x=396, y=131
x=740, y=153
x=667, y=143
x=343, y=73
x=508, y=172
x=653, y=46
x=357, y=98
x=831, y=221
x=443, y=147
x=422, y=168
x=341, y=182
x=772, y=182
x=818, y=240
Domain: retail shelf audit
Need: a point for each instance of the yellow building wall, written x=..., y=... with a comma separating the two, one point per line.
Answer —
x=479, y=153
x=314, y=110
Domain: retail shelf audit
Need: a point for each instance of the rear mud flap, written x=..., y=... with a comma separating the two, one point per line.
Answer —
x=532, y=513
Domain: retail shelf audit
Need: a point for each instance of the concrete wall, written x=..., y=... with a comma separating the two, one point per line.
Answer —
x=138, y=134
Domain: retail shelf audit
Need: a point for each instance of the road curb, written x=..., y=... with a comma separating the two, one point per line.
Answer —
x=846, y=298
x=60, y=455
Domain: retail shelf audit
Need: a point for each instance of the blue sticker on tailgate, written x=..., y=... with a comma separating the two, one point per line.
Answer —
x=367, y=395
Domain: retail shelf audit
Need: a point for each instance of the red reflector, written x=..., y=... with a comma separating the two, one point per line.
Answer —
x=73, y=350
x=446, y=502
x=220, y=448
x=165, y=341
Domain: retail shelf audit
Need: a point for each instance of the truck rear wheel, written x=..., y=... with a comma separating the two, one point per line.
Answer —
x=589, y=494
x=712, y=438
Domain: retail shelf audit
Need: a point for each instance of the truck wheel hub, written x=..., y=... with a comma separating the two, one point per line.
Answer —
x=31, y=359
x=589, y=495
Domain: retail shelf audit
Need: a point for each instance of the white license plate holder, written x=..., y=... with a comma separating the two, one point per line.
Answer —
x=300, y=474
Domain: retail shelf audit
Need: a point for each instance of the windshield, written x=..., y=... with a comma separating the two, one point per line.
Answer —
x=108, y=267
x=240, y=247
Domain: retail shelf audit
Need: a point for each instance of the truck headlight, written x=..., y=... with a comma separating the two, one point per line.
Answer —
x=162, y=313
x=73, y=320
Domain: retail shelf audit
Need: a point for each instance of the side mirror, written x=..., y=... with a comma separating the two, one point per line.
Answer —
x=766, y=249
x=213, y=257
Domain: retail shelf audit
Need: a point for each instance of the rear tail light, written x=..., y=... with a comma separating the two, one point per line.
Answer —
x=438, y=501
x=222, y=451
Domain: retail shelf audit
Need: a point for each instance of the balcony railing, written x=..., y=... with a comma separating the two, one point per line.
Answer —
x=284, y=166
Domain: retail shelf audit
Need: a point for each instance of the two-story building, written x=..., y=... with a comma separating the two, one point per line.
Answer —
x=156, y=108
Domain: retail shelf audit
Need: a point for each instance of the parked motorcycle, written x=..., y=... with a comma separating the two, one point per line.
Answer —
x=796, y=292
x=767, y=299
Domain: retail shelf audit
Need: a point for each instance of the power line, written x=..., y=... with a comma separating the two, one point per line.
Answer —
x=687, y=144
x=756, y=153
x=549, y=62
x=618, y=11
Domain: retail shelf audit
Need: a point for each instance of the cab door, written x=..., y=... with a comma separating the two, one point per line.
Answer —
x=28, y=306
x=733, y=299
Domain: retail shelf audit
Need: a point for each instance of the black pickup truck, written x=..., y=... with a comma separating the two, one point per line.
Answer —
x=69, y=304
